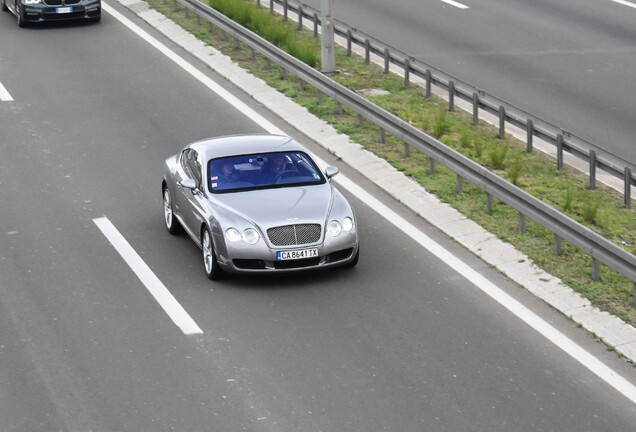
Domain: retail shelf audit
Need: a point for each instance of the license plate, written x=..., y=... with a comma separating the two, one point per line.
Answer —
x=64, y=10
x=297, y=254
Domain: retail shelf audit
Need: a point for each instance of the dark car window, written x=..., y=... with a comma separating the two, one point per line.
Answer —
x=262, y=171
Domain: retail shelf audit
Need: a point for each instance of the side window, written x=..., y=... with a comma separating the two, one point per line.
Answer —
x=191, y=164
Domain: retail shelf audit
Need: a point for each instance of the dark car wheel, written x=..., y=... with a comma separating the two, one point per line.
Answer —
x=212, y=269
x=18, y=14
x=172, y=224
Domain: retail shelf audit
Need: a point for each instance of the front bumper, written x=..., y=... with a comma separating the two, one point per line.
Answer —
x=89, y=10
x=261, y=258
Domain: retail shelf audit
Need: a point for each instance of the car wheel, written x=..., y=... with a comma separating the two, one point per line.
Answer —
x=212, y=269
x=18, y=13
x=172, y=224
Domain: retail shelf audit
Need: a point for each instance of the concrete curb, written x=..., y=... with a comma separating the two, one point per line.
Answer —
x=508, y=260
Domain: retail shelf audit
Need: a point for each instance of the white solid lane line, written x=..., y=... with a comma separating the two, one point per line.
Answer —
x=4, y=94
x=529, y=317
x=165, y=299
x=456, y=4
x=625, y=3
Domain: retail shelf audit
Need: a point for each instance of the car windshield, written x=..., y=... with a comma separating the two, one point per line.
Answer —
x=262, y=171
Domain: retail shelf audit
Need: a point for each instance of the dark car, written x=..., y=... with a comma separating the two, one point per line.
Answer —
x=28, y=11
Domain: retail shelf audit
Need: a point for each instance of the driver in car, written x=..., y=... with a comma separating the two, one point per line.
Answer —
x=276, y=165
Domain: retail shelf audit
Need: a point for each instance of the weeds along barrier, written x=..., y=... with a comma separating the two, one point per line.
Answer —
x=564, y=228
x=594, y=156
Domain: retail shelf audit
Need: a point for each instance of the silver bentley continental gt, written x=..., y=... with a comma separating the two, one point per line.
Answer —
x=258, y=204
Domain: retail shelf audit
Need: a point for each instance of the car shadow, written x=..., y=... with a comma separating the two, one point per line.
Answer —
x=57, y=25
x=288, y=281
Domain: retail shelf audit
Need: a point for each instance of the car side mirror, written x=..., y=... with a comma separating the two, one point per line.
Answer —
x=189, y=183
x=331, y=171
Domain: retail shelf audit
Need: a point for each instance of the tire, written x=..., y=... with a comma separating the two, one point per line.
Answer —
x=210, y=264
x=18, y=14
x=172, y=224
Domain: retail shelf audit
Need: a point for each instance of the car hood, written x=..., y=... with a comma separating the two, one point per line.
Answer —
x=281, y=206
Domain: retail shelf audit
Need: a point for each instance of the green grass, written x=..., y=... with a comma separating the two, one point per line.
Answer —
x=602, y=210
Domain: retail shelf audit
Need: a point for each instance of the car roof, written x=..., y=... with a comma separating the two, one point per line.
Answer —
x=212, y=148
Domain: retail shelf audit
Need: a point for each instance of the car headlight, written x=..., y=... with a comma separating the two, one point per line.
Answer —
x=250, y=235
x=334, y=228
x=233, y=235
x=347, y=224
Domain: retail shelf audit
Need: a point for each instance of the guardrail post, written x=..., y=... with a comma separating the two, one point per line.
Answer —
x=431, y=165
x=237, y=44
x=488, y=203
x=628, y=188
x=258, y=3
x=316, y=20
x=176, y=5
x=211, y=27
x=502, y=122
x=634, y=292
x=187, y=13
x=252, y=53
x=460, y=184
x=367, y=51
x=558, y=245
x=522, y=223
x=360, y=120
x=429, y=78
x=319, y=97
x=387, y=57
x=559, y=144
x=284, y=74
x=301, y=84
x=268, y=64
x=530, y=129
x=596, y=269
x=382, y=135
x=271, y=7
x=300, y=18
x=407, y=149
x=339, y=108
x=198, y=20
x=451, y=96
x=475, y=108
x=407, y=73
x=592, y=169
x=285, y=10
x=349, y=37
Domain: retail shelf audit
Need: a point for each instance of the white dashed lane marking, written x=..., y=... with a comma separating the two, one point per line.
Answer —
x=165, y=299
x=4, y=94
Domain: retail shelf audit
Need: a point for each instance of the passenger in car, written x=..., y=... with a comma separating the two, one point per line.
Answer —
x=226, y=176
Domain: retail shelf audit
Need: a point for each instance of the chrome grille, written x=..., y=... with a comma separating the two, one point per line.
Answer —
x=60, y=2
x=290, y=235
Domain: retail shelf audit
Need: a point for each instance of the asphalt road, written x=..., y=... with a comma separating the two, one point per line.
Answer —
x=400, y=343
x=569, y=62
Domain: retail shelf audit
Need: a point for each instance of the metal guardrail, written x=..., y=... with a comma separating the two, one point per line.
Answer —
x=564, y=141
x=564, y=228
